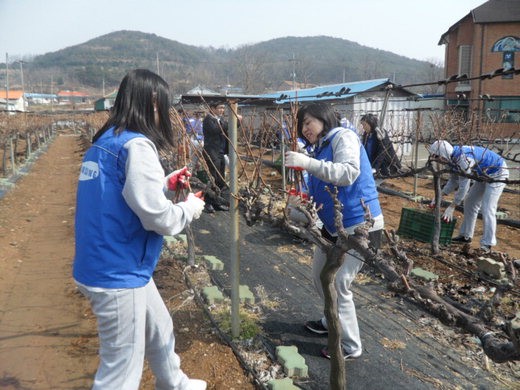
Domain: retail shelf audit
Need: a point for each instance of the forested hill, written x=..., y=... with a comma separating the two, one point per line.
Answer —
x=253, y=68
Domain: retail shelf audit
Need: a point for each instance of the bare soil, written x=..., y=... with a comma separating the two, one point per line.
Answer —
x=48, y=335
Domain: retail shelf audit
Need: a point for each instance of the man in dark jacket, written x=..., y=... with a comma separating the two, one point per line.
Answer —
x=216, y=147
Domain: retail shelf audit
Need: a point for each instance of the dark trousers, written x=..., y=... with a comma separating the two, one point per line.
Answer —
x=217, y=169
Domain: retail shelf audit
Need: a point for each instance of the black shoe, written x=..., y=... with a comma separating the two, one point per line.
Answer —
x=461, y=239
x=347, y=356
x=221, y=207
x=316, y=327
x=208, y=208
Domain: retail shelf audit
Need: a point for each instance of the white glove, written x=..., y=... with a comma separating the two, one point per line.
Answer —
x=297, y=160
x=448, y=213
x=226, y=160
x=432, y=204
x=195, y=204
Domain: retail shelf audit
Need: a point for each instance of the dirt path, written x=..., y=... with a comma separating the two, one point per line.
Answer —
x=41, y=316
x=48, y=338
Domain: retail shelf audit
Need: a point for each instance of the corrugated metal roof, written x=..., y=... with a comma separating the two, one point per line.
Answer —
x=13, y=94
x=200, y=90
x=71, y=93
x=241, y=99
x=328, y=92
x=40, y=95
x=111, y=95
x=321, y=93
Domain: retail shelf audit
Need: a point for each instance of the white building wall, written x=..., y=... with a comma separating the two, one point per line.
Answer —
x=14, y=104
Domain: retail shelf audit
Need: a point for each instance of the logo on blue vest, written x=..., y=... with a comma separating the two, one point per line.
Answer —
x=89, y=171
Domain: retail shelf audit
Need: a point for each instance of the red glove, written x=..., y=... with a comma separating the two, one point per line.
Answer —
x=303, y=195
x=178, y=179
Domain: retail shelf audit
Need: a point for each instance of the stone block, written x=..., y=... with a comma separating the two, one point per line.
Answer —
x=212, y=295
x=425, y=275
x=281, y=384
x=491, y=268
x=245, y=295
x=293, y=363
x=213, y=263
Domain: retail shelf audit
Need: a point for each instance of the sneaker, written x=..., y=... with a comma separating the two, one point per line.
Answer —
x=208, y=208
x=485, y=248
x=316, y=327
x=221, y=207
x=462, y=239
x=196, y=384
x=346, y=355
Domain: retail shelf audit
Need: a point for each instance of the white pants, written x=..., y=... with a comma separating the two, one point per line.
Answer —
x=483, y=197
x=133, y=323
x=350, y=339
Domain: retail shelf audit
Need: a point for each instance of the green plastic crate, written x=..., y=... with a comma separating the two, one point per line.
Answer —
x=418, y=224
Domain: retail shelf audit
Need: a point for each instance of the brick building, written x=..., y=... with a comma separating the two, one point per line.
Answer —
x=483, y=46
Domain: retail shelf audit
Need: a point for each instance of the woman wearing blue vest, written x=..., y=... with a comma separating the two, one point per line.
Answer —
x=122, y=213
x=482, y=196
x=339, y=160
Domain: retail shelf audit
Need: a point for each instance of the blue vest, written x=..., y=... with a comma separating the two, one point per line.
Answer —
x=364, y=188
x=487, y=161
x=113, y=250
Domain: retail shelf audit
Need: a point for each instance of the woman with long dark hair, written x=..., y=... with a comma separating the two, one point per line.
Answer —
x=379, y=147
x=122, y=214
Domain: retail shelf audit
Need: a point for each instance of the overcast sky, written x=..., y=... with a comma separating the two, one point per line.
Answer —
x=411, y=28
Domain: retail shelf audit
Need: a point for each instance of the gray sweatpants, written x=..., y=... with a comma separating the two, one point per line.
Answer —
x=350, y=339
x=483, y=197
x=132, y=323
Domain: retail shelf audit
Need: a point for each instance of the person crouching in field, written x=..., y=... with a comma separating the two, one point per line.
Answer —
x=482, y=196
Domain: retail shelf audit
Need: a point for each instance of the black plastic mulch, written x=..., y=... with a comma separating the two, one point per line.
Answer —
x=397, y=351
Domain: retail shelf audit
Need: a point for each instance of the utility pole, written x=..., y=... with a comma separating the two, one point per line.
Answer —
x=23, y=88
x=157, y=60
x=235, y=229
x=21, y=74
x=293, y=60
x=52, y=98
x=103, y=80
x=6, y=81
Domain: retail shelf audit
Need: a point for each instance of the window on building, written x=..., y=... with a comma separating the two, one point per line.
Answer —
x=503, y=109
x=464, y=62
